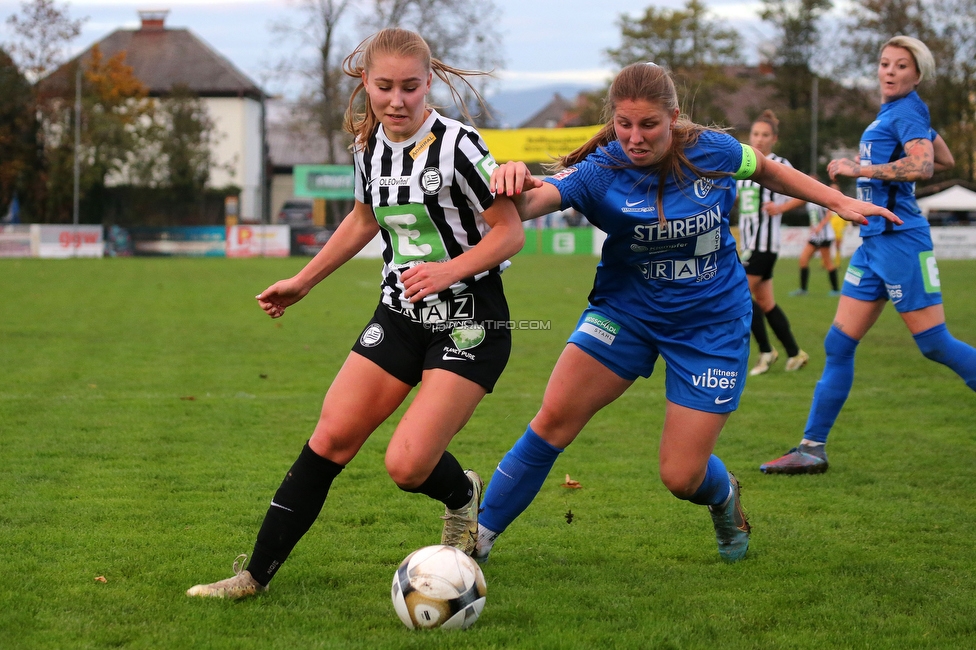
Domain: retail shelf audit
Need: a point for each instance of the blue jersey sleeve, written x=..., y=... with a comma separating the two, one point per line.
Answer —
x=910, y=121
x=584, y=184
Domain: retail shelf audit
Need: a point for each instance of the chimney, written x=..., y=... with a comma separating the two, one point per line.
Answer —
x=152, y=20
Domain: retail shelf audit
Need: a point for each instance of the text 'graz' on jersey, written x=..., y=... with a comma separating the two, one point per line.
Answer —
x=678, y=274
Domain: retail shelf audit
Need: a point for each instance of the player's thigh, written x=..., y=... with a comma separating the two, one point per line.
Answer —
x=442, y=406
x=579, y=386
x=360, y=398
x=687, y=442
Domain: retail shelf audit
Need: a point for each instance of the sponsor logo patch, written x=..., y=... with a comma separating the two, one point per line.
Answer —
x=422, y=146
x=716, y=378
x=467, y=337
x=930, y=272
x=600, y=328
x=372, y=336
x=563, y=173
x=854, y=275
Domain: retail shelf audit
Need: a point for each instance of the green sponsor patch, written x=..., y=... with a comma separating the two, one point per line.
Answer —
x=604, y=324
x=930, y=272
x=466, y=338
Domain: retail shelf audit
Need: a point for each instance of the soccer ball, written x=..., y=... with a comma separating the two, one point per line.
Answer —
x=438, y=586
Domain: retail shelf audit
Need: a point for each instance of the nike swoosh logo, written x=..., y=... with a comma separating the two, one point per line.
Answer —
x=631, y=204
x=719, y=400
x=447, y=357
x=278, y=505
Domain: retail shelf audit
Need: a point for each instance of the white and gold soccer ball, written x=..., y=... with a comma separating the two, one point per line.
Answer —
x=438, y=586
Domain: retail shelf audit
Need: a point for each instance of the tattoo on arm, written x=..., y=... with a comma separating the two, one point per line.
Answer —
x=918, y=164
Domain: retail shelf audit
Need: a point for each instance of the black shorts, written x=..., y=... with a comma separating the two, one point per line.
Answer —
x=473, y=340
x=759, y=263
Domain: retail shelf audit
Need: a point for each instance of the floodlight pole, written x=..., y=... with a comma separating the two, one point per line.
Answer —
x=77, y=143
x=814, y=102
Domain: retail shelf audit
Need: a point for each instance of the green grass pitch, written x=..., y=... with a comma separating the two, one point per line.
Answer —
x=149, y=409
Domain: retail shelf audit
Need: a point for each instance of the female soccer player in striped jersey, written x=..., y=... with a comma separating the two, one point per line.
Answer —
x=669, y=284
x=760, y=216
x=422, y=184
x=894, y=262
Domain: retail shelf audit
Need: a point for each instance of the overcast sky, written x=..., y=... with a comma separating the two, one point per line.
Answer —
x=543, y=42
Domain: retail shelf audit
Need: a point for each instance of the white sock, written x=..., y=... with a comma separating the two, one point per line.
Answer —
x=486, y=539
x=811, y=443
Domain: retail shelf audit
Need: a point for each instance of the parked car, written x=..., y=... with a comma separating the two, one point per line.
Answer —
x=295, y=212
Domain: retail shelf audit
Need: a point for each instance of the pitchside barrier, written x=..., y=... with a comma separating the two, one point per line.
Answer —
x=65, y=241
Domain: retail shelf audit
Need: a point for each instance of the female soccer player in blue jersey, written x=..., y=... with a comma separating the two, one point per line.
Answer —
x=422, y=184
x=895, y=261
x=669, y=284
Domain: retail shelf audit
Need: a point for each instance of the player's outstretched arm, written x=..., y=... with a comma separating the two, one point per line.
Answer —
x=786, y=180
x=355, y=231
x=533, y=197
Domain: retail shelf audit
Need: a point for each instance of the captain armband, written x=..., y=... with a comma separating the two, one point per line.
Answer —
x=749, y=163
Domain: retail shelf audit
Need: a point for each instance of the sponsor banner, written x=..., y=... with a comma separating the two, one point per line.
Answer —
x=55, y=241
x=325, y=181
x=954, y=242
x=258, y=241
x=564, y=241
x=308, y=240
x=15, y=241
x=535, y=145
x=192, y=241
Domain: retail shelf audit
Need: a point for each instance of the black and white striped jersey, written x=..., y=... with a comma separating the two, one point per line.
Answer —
x=427, y=194
x=757, y=230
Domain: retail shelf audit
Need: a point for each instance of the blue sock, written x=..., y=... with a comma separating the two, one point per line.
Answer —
x=938, y=345
x=834, y=385
x=715, y=487
x=517, y=479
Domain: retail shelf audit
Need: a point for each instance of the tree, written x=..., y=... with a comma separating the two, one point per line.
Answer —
x=117, y=123
x=324, y=101
x=796, y=46
x=18, y=134
x=694, y=47
x=44, y=30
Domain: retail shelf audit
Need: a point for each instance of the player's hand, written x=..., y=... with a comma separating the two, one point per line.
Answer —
x=424, y=279
x=843, y=167
x=859, y=211
x=772, y=209
x=279, y=295
x=512, y=178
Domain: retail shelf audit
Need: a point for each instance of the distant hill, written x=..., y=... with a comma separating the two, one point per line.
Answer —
x=512, y=108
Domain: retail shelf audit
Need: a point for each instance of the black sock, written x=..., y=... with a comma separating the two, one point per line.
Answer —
x=804, y=278
x=447, y=483
x=833, y=279
x=759, y=328
x=781, y=328
x=293, y=510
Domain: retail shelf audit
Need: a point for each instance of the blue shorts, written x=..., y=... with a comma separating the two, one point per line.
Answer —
x=705, y=364
x=899, y=266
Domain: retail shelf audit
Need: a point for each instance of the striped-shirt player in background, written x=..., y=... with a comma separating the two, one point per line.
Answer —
x=422, y=183
x=760, y=217
x=669, y=284
x=894, y=262
x=822, y=238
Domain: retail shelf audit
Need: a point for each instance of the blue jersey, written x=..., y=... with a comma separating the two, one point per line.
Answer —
x=685, y=273
x=883, y=142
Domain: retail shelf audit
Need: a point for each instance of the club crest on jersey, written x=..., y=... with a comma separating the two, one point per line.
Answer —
x=372, y=336
x=702, y=187
x=431, y=180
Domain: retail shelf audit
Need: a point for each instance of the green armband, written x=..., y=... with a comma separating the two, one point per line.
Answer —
x=748, y=166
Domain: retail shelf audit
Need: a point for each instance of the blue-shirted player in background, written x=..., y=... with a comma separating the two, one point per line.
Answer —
x=894, y=262
x=669, y=283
